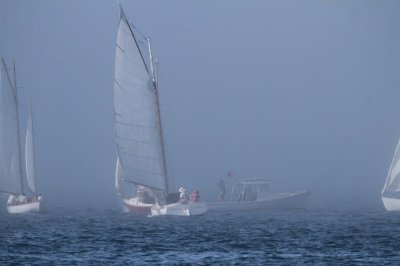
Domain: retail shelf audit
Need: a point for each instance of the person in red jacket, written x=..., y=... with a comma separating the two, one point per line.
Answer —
x=195, y=196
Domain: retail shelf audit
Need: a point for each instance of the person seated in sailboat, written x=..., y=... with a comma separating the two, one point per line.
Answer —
x=182, y=196
x=22, y=198
x=195, y=196
x=12, y=200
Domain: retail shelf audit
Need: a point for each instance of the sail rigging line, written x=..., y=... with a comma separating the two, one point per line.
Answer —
x=140, y=32
x=119, y=85
x=122, y=50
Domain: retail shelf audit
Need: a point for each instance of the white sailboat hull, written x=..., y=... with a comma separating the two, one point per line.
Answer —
x=136, y=205
x=391, y=204
x=179, y=209
x=29, y=207
x=296, y=200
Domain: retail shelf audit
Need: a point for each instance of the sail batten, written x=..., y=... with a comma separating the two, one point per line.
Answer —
x=140, y=156
x=10, y=154
x=136, y=126
x=142, y=172
x=134, y=140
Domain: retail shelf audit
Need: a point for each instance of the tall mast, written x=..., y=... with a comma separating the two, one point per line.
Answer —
x=18, y=131
x=160, y=130
x=33, y=147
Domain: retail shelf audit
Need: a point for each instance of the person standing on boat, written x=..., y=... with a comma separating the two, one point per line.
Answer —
x=222, y=189
x=22, y=198
x=182, y=195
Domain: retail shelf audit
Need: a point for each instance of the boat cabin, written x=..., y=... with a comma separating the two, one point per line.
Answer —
x=249, y=189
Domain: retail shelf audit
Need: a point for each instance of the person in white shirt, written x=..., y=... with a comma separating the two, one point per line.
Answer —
x=182, y=195
x=22, y=198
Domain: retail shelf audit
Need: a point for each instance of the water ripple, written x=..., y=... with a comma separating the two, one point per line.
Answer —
x=286, y=237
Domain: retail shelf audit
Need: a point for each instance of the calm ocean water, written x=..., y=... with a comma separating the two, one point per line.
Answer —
x=273, y=237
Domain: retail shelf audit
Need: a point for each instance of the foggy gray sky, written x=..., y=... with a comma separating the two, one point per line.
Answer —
x=302, y=92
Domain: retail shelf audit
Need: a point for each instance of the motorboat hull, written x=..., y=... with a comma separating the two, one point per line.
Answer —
x=179, y=209
x=391, y=204
x=296, y=200
x=28, y=207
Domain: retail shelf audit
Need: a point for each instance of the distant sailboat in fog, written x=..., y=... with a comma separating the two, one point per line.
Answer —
x=11, y=174
x=391, y=189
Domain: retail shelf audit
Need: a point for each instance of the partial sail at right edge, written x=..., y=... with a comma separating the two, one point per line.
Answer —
x=10, y=170
x=392, y=184
x=135, y=119
x=30, y=156
x=118, y=176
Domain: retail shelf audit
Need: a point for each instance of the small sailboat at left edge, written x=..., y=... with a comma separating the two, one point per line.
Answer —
x=11, y=174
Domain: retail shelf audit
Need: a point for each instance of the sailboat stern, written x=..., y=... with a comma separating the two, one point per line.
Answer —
x=179, y=209
x=391, y=204
x=29, y=207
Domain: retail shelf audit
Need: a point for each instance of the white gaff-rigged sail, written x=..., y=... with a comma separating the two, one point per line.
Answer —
x=10, y=161
x=30, y=156
x=137, y=132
